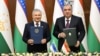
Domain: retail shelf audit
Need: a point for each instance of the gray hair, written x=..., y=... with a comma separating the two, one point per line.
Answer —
x=35, y=10
x=68, y=4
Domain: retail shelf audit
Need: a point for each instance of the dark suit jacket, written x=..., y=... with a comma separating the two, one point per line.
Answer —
x=36, y=47
x=76, y=22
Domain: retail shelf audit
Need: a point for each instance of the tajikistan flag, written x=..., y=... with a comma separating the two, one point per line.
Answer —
x=78, y=11
x=6, y=43
x=94, y=27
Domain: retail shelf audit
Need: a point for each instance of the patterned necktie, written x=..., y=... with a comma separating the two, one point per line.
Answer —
x=67, y=25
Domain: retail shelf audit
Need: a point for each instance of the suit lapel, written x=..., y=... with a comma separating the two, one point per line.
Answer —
x=63, y=22
x=41, y=24
x=71, y=22
x=32, y=23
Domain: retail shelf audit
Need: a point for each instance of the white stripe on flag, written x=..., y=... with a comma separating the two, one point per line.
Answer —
x=78, y=11
x=5, y=19
x=20, y=18
x=57, y=11
x=64, y=50
x=53, y=47
x=95, y=19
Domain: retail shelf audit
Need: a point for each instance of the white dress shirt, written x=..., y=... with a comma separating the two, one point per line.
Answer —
x=66, y=20
x=39, y=24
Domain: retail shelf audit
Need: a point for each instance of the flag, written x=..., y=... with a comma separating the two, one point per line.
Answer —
x=6, y=43
x=65, y=48
x=78, y=11
x=94, y=27
x=53, y=42
x=39, y=4
x=57, y=13
x=20, y=21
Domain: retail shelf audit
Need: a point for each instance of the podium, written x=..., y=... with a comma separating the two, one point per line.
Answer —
x=36, y=33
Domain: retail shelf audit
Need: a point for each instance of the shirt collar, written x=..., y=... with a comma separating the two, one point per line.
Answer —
x=68, y=19
x=36, y=22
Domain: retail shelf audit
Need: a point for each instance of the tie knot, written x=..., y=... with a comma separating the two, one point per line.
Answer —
x=37, y=23
x=67, y=20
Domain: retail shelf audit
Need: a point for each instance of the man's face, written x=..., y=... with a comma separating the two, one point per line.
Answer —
x=67, y=10
x=36, y=16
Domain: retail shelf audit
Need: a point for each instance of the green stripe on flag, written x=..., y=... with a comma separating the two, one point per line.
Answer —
x=53, y=38
x=3, y=45
x=19, y=45
x=82, y=48
x=93, y=42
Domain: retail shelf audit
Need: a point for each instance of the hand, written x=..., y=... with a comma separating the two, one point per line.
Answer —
x=61, y=35
x=77, y=44
x=30, y=41
x=43, y=41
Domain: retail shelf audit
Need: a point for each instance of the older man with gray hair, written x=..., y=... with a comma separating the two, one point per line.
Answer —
x=36, y=22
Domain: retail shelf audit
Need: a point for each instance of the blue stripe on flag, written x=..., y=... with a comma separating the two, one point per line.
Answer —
x=54, y=47
x=61, y=3
x=98, y=4
x=22, y=3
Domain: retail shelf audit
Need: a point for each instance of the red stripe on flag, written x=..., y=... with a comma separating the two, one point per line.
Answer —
x=6, y=2
x=43, y=3
x=66, y=46
x=81, y=2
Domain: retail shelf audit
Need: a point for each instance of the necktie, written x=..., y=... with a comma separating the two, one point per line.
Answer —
x=67, y=25
x=37, y=24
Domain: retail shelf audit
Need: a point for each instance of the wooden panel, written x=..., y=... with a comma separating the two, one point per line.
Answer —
x=30, y=7
x=49, y=11
x=11, y=8
x=86, y=6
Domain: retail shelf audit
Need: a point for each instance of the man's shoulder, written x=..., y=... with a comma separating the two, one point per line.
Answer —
x=44, y=23
x=76, y=17
x=29, y=23
x=60, y=18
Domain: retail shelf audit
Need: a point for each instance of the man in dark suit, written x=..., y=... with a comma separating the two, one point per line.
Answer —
x=74, y=22
x=31, y=47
